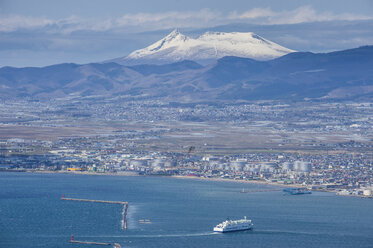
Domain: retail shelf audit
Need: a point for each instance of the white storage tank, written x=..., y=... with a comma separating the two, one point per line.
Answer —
x=257, y=167
x=301, y=166
x=367, y=192
x=267, y=167
x=248, y=167
x=169, y=163
x=217, y=165
x=158, y=163
x=287, y=166
x=237, y=165
x=138, y=162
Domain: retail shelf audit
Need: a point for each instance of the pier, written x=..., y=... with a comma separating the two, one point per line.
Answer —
x=261, y=190
x=116, y=245
x=98, y=201
x=125, y=207
x=89, y=243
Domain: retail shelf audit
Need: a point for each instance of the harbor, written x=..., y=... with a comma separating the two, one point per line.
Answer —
x=124, y=212
x=173, y=206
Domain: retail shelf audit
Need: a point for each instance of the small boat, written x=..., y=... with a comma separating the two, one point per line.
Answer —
x=146, y=221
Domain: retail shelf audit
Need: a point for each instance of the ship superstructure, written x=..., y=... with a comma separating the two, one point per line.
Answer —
x=234, y=225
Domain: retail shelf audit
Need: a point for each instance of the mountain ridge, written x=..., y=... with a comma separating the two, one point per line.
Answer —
x=346, y=74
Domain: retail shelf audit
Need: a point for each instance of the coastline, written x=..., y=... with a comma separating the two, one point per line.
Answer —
x=215, y=179
x=135, y=174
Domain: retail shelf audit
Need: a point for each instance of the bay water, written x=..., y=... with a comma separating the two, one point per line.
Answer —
x=181, y=213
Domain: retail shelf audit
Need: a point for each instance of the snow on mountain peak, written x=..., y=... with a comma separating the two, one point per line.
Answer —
x=173, y=39
x=209, y=46
x=174, y=33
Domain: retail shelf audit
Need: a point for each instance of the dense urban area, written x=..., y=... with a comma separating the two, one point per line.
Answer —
x=318, y=145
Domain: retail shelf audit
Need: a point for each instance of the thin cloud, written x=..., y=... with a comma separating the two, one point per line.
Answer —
x=183, y=19
x=171, y=19
x=141, y=18
x=15, y=22
x=299, y=15
x=256, y=13
x=142, y=21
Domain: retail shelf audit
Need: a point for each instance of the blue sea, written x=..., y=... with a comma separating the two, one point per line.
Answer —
x=182, y=213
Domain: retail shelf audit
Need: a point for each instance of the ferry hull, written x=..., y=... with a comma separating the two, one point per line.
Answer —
x=221, y=230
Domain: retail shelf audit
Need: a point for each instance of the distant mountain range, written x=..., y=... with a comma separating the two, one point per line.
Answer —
x=208, y=47
x=340, y=75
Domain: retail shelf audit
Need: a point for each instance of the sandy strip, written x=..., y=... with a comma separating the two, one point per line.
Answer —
x=129, y=173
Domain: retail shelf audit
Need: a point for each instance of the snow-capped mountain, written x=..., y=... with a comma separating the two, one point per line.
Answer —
x=206, y=48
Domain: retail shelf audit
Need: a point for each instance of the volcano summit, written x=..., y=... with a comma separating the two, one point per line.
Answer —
x=206, y=48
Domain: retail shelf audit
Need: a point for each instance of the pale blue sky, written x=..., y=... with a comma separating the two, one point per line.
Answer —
x=43, y=32
x=116, y=8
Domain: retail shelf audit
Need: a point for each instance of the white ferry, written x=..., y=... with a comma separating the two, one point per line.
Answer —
x=234, y=225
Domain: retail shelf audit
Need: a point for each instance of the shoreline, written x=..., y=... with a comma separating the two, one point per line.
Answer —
x=135, y=174
x=182, y=177
x=217, y=179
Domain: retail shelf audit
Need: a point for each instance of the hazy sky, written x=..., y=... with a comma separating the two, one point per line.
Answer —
x=42, y=32
x=56, y=9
